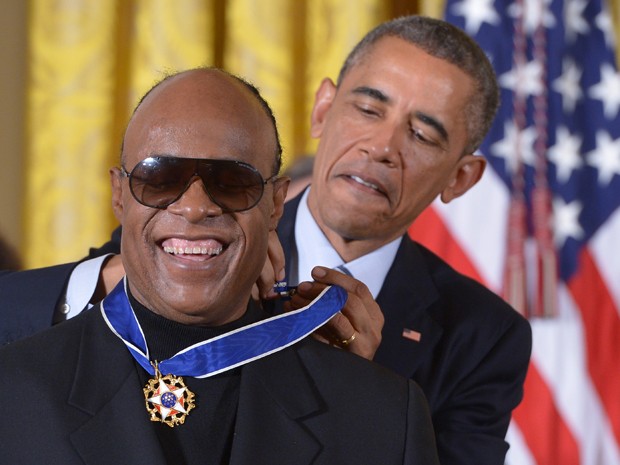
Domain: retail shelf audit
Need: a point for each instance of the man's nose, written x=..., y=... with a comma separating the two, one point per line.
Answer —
x=385, y=143
x=195, y=204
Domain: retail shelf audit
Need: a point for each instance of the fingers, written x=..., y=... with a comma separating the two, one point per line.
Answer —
x=273, y=269
x=275, y=254
x=264, y=284
x=361, y=309
x=305, y=293
x=357, y=327
x=255, y=293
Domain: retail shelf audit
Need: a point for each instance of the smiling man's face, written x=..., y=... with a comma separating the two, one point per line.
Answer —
x=191, y=262
x=392, y=138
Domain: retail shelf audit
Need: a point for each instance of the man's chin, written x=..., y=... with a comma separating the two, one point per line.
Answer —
x=355, y=225
x=197, y=310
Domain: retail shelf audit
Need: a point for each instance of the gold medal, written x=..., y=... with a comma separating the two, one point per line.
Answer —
x=168, y=400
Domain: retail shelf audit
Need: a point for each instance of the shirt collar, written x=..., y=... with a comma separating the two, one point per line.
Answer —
x=82, y=285
x=313, y=249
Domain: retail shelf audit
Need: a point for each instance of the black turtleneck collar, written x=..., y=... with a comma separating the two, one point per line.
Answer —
x=166, y=337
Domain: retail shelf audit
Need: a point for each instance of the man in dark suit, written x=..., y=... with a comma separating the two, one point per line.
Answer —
x=413, y=102
x=197, y=195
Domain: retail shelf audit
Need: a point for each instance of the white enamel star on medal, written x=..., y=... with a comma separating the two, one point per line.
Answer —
x=167, y=398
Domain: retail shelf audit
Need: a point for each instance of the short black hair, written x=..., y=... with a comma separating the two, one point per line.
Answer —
x=447, y=42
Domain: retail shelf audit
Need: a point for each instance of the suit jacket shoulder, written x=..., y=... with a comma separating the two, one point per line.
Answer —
x=466, y=347
x=28, y=300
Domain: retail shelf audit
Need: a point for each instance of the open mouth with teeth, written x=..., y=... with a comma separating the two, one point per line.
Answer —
x=365, y=183
x=193, y=250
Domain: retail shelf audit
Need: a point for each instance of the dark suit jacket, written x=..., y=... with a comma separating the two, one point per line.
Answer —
x=473, y=352
x=72, y=395
x=29, y=299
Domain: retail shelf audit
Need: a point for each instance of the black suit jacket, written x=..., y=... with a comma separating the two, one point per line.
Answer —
x=472, y=356
x=72, y=395
x=30, y=298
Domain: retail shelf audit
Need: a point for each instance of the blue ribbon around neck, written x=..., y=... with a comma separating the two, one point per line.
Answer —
x=226, y=351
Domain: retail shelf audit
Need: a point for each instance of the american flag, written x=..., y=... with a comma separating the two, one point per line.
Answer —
x=543, y=226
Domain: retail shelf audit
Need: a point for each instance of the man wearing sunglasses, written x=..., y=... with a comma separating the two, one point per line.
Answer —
x=178, y=364
x=413, y=101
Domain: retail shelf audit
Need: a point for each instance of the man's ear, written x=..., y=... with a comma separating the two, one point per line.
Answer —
x=467, y=173
x=280, y=187
x=116, y=180
x=322, y=103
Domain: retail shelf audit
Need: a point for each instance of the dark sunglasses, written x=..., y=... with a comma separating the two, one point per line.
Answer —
x=158, y=182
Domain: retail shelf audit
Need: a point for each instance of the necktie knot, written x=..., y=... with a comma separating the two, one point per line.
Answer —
x=344, y=269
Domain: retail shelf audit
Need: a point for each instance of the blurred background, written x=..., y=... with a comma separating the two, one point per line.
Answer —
x=541, y=229
x=74, y=70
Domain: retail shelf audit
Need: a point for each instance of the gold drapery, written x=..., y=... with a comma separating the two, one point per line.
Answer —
x=70, y=119
x=90, y=60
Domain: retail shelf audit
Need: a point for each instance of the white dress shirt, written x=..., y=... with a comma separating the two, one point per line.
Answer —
x=81, y=286
x=314, y=249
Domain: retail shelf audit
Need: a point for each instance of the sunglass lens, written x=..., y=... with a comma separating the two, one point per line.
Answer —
x=234, y=186
x=159, y=181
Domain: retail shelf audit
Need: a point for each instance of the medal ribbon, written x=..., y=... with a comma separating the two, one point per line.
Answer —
x=226, y=351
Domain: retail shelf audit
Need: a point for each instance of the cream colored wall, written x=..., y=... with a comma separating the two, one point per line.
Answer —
x=12, y=84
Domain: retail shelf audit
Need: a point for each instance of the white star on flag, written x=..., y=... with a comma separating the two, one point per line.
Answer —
x=607, y=91
x=524, y=79
x=524, y=140
x=574, y=22
x=475, y=13
x=535, y=12
x=605, y=24
x=605, y=158
x=565, y=220
x=565, y=154
x=567, y=85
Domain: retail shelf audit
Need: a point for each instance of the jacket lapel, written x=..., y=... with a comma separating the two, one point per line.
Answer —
x=286, y=231
x=107, y=386
x=406, y=298
x=275, y=396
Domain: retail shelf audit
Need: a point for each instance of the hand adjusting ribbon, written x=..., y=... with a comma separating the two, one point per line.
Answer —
x=171, y=399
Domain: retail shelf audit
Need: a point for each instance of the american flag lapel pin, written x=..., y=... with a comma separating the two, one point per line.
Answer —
x=412, y=335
